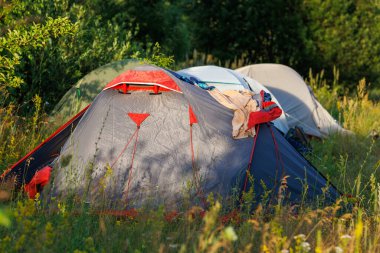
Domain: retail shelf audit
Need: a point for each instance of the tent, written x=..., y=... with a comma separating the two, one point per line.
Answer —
x=88, y=87
x=300, y=105
x=148, y=138
x=227, y=79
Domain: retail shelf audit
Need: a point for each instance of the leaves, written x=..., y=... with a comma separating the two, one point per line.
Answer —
x=4, y=219
x=18, y=44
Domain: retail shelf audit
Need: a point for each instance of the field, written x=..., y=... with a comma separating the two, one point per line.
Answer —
x=352, y=224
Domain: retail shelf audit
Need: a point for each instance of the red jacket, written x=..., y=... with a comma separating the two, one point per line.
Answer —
x=269, y=112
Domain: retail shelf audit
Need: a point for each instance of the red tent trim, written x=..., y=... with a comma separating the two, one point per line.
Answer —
x=145, y=77
x=45, y=141
x=141, y=83
x=192, y=117
x=138, y=118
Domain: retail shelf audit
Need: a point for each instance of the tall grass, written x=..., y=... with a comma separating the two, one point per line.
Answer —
x=18, y=134
x=352, y=224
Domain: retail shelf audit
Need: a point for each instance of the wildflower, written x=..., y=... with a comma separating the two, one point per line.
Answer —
x=62, y=208
x=265, y=249
x=300, y=237
x=230, y=234
x=4, y=219
x=306, y=246
x=338, y=249
x=171, y=216
x=345, y=237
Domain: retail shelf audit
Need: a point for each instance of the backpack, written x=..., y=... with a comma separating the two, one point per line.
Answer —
x=299, y=140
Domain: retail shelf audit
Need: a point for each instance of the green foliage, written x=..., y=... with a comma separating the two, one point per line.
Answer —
x=19, y=135
x=344, y=34
x=159, y=21
x=300, y=33
x=250, y=31
x=4, y=219
x=18, y=45
x=350, y=161
x=69, y=40
x=156, y=57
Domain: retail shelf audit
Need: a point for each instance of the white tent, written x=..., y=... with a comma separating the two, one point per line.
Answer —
x=300, y=105
x=227, y=79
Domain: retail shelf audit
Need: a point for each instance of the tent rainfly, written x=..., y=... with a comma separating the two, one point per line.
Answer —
x=148, y=137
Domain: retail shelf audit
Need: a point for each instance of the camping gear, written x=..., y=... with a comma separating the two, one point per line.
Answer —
x=242, y=104
x=227, y=79
x=299, y=140
x=300, y=106
x=149, y=138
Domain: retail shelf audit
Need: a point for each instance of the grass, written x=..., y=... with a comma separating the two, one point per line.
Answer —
x=350, y=225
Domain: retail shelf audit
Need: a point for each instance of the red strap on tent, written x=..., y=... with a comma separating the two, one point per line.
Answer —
x=131, y=168
x=278, y=159
x=192, y=146
x=125, y=147
x=256, y=118
x=263, y=116
x=278, y=155
x=248, y=170
x=39, y=180
x=138, y=118
x=193, y=120
x=251, y=158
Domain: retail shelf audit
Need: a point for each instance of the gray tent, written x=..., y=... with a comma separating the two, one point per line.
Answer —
x=157, y=147
x=149, y=138
x=296, y=98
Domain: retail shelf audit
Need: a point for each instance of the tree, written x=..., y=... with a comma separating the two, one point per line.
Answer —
x=46, y=46
x=18, y=46
x=345, y=34
x=252, y=30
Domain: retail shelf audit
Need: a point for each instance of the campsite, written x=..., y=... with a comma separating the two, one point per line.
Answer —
x=156, y=126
